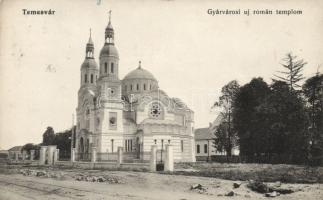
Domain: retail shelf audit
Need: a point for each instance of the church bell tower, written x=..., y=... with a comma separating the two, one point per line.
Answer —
x=109, y=89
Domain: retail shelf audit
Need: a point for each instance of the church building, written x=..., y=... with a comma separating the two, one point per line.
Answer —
x=133, y=112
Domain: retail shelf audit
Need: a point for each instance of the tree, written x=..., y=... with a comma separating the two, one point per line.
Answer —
x=48, y=136
x=313, y=92
x=270, y=121
x=293, y=73
x=63, y=142
x=225, y=135
x=288, y=123
x=30, y=146
x=249, y=120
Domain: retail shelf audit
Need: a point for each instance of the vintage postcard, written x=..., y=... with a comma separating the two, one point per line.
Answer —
x=161, y=99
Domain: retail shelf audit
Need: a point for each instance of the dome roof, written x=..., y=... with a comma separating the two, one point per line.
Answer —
x=89, y=63
x=139, y=73
x=109, y=50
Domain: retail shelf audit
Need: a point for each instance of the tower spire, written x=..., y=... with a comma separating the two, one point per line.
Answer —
x=89, y=46
x=90, y=38
x=109, y=32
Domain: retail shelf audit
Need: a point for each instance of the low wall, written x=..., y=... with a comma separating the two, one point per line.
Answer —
x=105, y=165
x=24, y=162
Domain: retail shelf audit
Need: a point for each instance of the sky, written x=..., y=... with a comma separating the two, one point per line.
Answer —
x=191, y=53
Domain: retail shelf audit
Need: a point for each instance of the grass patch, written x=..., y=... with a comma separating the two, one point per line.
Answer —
x=257, y=172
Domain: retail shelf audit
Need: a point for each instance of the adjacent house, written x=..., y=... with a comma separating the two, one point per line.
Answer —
x=204, y=142
x=204, y=147
x=15, y=152
x=4, y=154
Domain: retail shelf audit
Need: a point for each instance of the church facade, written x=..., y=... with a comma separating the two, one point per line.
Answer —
x=133, y=112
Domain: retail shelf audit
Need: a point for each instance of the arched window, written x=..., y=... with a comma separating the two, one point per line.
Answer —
x=198, y=148
x=112, y=68
x=85, y=78
x=125, y=88
x=131, y=87
x=205, y=148
x=105, y=67
x=91, y=78
x=144, y=86
x=137, y=86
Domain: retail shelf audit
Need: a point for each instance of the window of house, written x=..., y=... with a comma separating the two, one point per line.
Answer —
x=85, y=78
x=91, y=78
x=182, y=145
x=125, y=88
x=137, y=86
x=155, y=141
x=168, y=141
x=144, y=86
x=131, y=87
x=112, y=68
x=149, y=87
x=205, y=148
x=105, y=67
x=198, y=148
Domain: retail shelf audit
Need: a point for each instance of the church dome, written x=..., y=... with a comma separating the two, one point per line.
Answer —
x=109, y=50
x=139, y=81
x=89, y=63
x=139, y=73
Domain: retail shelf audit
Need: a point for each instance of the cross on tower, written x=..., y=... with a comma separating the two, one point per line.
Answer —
x=110, y=15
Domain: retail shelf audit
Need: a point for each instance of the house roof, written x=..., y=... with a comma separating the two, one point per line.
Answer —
x=4, y=151
x=16, y=148
x=203, y=134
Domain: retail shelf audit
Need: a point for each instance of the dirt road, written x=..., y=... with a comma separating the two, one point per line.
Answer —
x=136, y=185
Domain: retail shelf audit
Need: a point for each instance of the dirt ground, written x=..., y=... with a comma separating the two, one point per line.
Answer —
x=63, y=184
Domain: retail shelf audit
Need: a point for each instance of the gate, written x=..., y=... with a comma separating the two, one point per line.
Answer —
x=160, y=159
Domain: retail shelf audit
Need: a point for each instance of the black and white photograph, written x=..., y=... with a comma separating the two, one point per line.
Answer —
x=161, y=99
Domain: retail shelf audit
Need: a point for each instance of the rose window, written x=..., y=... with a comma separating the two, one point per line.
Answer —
x=155, y=111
